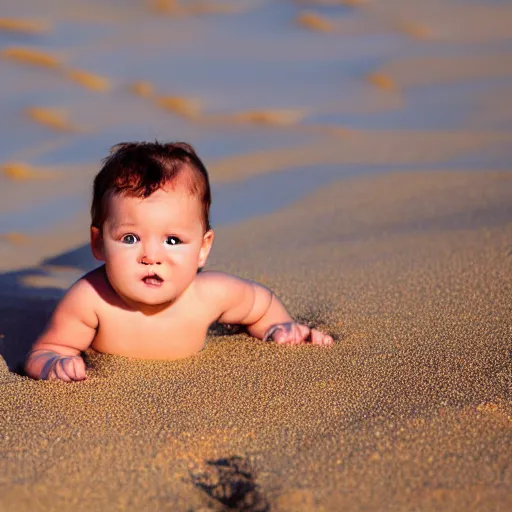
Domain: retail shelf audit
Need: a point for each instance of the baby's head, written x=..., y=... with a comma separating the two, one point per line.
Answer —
x=150, y=220
x=137, y=169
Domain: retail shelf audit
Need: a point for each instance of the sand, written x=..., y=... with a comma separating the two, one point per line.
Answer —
x=400, y=247
x=410, y=410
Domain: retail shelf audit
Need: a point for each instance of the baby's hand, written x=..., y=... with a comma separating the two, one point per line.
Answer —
x=293, y=333
x=66, y=368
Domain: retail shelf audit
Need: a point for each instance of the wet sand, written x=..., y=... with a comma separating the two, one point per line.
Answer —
x=402, y=250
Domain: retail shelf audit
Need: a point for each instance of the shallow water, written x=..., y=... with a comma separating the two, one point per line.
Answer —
x=254, y=59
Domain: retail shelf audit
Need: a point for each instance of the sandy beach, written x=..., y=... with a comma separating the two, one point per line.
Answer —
x=359, y=154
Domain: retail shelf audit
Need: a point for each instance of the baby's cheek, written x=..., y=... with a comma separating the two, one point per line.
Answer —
x=180, y=256
x=119, y=266
x=120, y=255
x=184, y=265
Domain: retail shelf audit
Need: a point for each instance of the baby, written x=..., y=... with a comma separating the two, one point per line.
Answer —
x=150, y=226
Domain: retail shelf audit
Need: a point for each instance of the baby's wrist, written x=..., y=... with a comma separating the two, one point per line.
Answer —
x=42, y=362
x=269, y=333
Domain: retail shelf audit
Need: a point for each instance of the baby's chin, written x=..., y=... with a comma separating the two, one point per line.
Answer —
x=151, y=305
x=141, y=301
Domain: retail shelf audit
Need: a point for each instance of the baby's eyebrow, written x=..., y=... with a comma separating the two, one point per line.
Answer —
x=124, y=225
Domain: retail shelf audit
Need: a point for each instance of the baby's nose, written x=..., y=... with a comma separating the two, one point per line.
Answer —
x=150, y=261
x=150, y=255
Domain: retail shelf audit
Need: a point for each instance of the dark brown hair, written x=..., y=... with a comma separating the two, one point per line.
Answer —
x=138, y=169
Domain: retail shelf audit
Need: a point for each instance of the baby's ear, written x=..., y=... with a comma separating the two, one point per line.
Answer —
x=97, y=244
x=205, y=247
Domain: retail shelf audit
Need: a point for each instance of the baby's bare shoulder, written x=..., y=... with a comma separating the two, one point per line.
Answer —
x=81, y=302
x=217, y=282
x=219, y=287
x=90, y=290
x=96, y=281
x=83, y=288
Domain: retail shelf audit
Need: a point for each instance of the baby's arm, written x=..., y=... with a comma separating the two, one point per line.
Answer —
x=251, y=304
x=56, y=353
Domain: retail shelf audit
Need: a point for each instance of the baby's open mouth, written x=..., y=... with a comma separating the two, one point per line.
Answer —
x=153, y=280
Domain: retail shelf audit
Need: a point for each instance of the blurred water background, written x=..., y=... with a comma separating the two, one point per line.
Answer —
x=278, y=97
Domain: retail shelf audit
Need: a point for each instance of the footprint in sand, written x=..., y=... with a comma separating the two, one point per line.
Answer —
x=231, y=482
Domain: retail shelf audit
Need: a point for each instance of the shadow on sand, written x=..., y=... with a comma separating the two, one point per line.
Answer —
x=25, y=309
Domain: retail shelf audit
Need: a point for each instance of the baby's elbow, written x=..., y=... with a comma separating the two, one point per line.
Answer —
x=261, y=303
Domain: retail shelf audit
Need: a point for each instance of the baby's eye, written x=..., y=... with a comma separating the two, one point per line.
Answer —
x=129, y=239
x=172, y=240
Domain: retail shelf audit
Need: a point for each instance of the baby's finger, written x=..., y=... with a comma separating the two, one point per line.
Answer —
x=328, y=341
x=281, y=336
x=296, y=337
x=60, y=372
x=74, y=368
x=304, y=332
x=80, y=369
x=317, y=337
x=68, y=367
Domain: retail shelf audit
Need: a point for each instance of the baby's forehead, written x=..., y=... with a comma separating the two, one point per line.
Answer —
x=174, y=203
